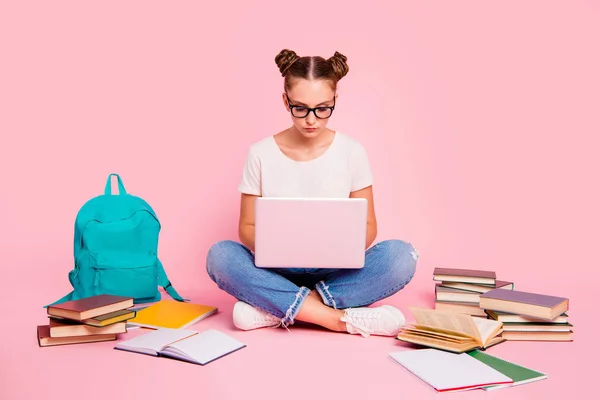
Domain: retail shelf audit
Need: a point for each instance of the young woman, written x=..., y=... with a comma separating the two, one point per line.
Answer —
x=310, y=160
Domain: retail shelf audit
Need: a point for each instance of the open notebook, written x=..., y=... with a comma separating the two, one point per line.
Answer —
x=183, y=344
x=449, y=331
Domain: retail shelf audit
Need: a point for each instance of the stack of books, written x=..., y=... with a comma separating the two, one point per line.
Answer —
x=459, y=290
x=529, y=316
x=92, y=319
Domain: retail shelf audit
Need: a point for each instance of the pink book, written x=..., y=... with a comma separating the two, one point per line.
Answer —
x=524, y=303
x=464, y=275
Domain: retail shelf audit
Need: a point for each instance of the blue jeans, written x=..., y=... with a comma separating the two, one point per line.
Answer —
x=389, y=266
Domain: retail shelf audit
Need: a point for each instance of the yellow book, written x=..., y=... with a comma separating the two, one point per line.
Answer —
x=171, y=314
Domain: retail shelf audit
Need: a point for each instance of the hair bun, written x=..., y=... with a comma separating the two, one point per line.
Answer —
x=285, y=59
x=338, y=62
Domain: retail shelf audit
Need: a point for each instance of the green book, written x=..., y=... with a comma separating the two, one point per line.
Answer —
x=520, y=375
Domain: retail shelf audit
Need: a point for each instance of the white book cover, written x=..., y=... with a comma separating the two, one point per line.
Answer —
x=446, y=371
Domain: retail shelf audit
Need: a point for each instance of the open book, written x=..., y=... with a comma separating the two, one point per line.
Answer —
x=183, y=344
x=453, y=332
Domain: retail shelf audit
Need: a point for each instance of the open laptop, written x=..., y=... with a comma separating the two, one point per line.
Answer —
x=310, y=232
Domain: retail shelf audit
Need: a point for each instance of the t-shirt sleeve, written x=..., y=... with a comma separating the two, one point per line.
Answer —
x=250, y=182
x=362, y=176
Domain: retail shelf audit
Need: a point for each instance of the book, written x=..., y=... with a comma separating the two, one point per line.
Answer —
x=519, y=374
x=539, y=336
x=171, y=314
x=141, y=306
x=462, y=307
x=90, y=307
x=110, y=318
x=449, y=372
x=443, y=293
x=67, y=328
x=183, y=344
x=45, y=340
x=472, y=287
x=464, y=275
x=533, y=327
x=104, y=319
x=516, y=318
x=454, y=332
x=524, y=303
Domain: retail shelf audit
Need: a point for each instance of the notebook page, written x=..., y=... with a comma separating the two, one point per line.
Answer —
x=153, y=342
x=204, y=347
x=446, y=371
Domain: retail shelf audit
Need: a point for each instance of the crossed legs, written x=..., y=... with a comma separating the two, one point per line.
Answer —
x=389, y=266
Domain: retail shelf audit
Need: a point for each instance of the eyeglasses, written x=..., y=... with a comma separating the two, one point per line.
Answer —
x=303, y=111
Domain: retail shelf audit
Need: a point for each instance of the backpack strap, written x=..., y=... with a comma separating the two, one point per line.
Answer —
x=108, y=187
x=163, y=280
x=69, y=296
x=65, y=298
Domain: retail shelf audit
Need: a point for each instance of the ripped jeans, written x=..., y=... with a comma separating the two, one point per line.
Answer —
x=389, y=266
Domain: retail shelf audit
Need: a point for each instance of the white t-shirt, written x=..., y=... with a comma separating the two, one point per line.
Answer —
x=343, y=168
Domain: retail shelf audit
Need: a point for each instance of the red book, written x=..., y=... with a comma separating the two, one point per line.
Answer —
x=90, y=307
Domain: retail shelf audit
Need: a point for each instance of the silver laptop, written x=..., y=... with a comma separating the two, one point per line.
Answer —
x=310, y=232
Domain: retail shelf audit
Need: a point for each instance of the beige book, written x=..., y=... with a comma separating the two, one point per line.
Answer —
x=45, y=340
x=450, y=331
x=67, y=328
x=460, y=307
x=539, y=336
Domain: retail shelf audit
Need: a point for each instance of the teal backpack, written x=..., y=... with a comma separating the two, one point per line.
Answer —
x=115, y=249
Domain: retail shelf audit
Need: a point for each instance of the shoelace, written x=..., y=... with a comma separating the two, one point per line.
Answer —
x=264, y=319
x=361, y=320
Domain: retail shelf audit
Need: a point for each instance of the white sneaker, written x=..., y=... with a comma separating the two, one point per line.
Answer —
x=246, y=317
x=383, y=320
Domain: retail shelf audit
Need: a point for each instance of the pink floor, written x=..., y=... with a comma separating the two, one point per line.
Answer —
x=276, y=364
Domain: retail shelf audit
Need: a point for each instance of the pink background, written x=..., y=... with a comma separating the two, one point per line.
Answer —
x=480, y=118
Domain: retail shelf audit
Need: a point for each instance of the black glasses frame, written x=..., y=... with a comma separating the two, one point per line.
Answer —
x=309, y=110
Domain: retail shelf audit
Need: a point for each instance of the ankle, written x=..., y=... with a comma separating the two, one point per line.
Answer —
x=316, y=295
x=337, y=324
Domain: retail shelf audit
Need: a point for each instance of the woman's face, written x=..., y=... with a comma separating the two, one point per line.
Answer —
x=306, y=94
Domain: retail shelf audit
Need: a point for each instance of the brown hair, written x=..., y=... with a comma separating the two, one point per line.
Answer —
x=311, y=67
